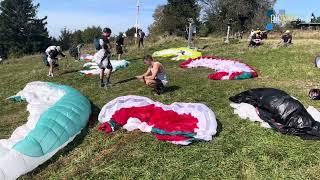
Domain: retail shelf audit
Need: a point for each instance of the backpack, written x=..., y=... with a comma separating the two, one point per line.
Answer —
x=45, y=60
x=96, y=43
x=142, y=35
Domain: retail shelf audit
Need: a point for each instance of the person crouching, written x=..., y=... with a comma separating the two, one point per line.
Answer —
x=286, y=39
x=155, y=76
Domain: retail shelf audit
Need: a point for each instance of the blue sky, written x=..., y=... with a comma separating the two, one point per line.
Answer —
x=79, y=14
x=121, y=14
x=300, y=8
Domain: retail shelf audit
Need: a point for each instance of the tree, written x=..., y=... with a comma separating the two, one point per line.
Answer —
x=65, y=39
x=90, y=33
x=131, y=32
x=157, y=16
x=172, y=18
x=21, y=32
x=77, y=37
x=242, y=14
x=317, y=20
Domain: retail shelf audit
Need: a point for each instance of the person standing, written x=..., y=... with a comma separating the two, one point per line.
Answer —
x=102, y=57
x=120, y=44
x=52, y=54
x=141, y=38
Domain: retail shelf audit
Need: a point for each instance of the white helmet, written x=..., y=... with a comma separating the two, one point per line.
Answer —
x=58, y=48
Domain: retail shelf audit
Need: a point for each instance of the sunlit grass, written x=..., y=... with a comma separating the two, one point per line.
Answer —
x=242, y=150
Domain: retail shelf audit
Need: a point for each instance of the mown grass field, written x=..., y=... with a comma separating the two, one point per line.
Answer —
x=241, y=150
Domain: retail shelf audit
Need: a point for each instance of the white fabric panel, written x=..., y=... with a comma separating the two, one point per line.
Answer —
x=40, y=97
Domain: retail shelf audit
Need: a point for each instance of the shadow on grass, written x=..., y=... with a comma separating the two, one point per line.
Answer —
x=219, y=128
x=93, y=120
x=69, y=71
x=170, y=89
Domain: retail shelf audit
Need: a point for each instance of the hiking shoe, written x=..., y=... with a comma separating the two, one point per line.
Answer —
x=102, y=85
x=158, y=91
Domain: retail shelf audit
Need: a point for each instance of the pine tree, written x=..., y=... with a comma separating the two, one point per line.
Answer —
x=65, y=39
x=21, y=32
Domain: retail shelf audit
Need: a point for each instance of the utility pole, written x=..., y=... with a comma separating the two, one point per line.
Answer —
x=137, y=21
x=190, y=32
x=227, y=41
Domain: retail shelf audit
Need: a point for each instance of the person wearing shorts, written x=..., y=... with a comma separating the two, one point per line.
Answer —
x=52, y=54
x=102, y=57
x=155, y=76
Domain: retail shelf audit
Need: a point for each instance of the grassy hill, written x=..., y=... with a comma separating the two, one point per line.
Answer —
x=241, y=150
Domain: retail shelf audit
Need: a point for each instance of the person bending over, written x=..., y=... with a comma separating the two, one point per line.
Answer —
x=102, y=57
x=255, y=39
x=52, y=54
x=155, y=76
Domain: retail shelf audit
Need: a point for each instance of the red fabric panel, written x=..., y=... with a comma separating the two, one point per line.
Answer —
x=169, y=121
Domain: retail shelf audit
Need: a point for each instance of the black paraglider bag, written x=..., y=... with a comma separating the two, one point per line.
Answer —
x=282, y=112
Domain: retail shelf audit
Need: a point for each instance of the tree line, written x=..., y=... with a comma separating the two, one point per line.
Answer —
x=21, y=32
x=210, y=15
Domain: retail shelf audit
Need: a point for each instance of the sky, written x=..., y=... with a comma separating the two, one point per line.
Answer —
x=299, y=8
x=120, y=15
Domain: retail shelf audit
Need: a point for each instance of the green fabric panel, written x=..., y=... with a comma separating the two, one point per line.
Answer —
x=162, y=132
x=58, y=124
x=244, y=75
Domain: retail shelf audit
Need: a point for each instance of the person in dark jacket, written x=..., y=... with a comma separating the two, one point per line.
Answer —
x=120, y=44
x=141, y=38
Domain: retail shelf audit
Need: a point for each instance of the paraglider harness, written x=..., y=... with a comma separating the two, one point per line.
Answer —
x=96, y=43
x=107, y=54
x=53, y=54
x=46, y=63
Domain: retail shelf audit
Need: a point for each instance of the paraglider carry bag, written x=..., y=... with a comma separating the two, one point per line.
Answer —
x=45, y=60
x=96, y=43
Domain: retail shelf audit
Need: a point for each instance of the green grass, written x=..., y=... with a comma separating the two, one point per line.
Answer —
x=242, y=150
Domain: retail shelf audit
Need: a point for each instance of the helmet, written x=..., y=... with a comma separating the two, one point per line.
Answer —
x=107, y=30
x=287, y=32
x=124, y=35
x=58, y=48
